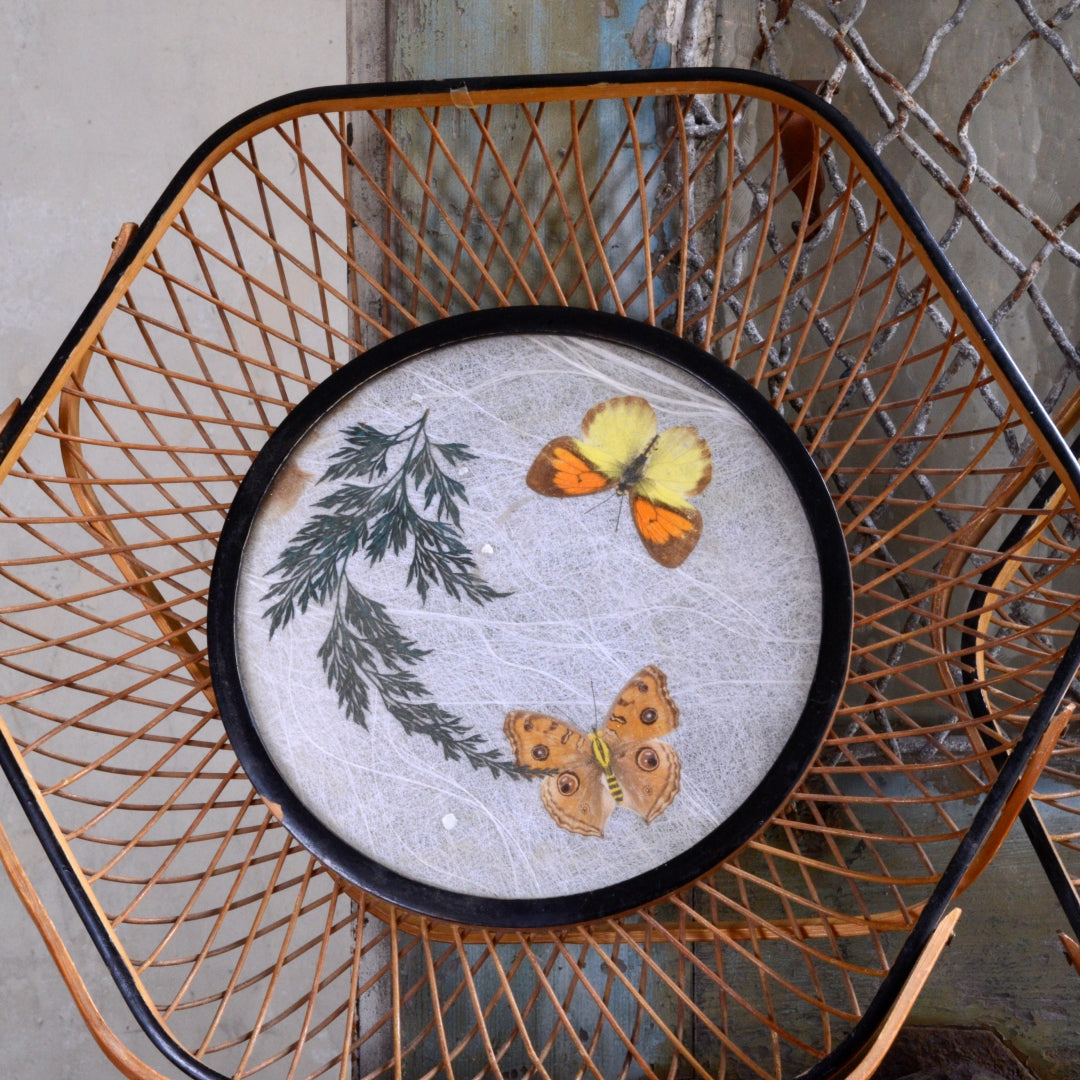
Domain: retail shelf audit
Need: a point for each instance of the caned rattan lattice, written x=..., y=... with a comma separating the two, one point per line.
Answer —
x=734, y=210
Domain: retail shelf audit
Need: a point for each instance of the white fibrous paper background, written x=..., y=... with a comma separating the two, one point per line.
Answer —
x=736, y=628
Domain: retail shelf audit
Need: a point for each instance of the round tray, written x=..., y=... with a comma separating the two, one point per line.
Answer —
x=529, y=617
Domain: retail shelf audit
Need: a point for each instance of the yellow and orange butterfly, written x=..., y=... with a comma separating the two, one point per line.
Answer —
x=657, y=472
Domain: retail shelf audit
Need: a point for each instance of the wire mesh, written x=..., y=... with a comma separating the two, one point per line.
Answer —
x=283, y=252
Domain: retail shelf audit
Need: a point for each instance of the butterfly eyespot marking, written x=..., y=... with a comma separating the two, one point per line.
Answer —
x=647, y=759
x=622, y=762
x=568, y=783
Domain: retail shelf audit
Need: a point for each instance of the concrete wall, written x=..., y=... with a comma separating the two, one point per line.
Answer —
x=102, y=104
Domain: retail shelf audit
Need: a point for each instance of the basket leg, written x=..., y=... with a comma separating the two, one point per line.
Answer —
x=894, y=1020
x=117, y=1053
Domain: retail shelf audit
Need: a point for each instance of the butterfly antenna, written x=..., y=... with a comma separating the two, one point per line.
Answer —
x=595, y=711
x=602, y=502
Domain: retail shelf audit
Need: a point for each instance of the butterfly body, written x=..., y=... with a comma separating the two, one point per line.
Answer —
x=625, y=763
x=634, y=473
x=657, y=471
x=601, y=751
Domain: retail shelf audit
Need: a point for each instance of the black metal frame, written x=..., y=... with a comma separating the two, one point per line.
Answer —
x=844, y=1052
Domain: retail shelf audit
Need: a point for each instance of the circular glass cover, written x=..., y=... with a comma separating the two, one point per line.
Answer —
x=529, y=617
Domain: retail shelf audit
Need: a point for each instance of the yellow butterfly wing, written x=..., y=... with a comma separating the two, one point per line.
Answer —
x=620, y=446
x=679, y=465
x=668, y=535
x=616, y=432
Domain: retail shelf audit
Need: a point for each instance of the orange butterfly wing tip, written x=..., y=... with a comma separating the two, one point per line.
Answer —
x=668, y=535
x=561, y=471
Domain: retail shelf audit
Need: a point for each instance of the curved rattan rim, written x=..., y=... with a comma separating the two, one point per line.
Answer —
x=949, y=882
x=597, y=84
x=780, y=779
x=1034, y=826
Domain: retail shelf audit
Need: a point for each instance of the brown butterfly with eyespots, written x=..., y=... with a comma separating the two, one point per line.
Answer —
x=624, y=763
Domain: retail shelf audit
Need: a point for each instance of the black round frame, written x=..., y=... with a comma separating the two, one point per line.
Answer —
x=770, y=793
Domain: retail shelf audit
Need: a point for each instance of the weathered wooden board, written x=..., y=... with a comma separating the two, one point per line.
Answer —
x=1005, y=970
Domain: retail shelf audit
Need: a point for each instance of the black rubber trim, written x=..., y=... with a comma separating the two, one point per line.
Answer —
x=118, y=968
x=750, y=79
x=945, y=890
